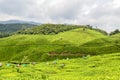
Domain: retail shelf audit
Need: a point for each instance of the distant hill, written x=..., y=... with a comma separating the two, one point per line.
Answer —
x=10, y=28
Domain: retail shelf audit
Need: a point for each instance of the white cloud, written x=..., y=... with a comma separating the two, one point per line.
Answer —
x=116, y=3
x=4, y=17
x=102, y=13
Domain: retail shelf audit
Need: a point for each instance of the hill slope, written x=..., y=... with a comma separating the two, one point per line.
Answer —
x=38, y=47
x=110, y=44
x=100, y=67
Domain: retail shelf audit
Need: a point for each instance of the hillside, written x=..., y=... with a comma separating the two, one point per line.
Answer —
x=100, y=67
x=110, y=44
x=44, y=47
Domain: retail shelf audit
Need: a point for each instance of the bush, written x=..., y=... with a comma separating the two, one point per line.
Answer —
x=115, y=32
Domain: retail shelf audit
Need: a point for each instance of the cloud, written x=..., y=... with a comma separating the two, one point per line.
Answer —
x=102, y=13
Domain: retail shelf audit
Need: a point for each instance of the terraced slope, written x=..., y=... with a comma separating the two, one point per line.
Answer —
x=38, y=47
x=100, y=67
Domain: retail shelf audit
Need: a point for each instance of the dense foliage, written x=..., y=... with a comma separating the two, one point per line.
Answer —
x=115, y=32
x=48, y=29
x=97, y=29
x=55, y=29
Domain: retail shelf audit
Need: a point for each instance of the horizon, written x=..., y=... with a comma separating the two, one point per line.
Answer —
x=53, y=23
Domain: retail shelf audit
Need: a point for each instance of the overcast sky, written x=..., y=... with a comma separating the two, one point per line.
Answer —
x=102, y=13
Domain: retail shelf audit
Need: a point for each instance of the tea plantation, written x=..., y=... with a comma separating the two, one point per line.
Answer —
x=38, y=47
x=101, y=67
x=56, y=52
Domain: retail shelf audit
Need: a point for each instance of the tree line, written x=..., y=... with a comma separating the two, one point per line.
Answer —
x=55, y=29
x=9, y=29
x=4, y=34
x=115, y=32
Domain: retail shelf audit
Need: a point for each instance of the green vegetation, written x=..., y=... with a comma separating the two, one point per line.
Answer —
x=56, y=28
x=48, y=29
x=60, y=52
x=101, y=67
x=36, y=47
x=67, y=41
x=109, y=44
x=115, y=32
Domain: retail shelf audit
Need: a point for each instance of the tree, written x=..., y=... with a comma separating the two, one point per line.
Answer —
x=115, y=32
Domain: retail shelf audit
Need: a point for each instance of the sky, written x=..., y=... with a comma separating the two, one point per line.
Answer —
x=103, y=14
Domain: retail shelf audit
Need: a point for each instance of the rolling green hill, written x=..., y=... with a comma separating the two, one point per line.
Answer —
x=45, y=47
x=110, y=44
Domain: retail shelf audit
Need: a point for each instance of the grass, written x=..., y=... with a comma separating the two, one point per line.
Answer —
x=100, y=67
x=50, y=43
x=97, y=56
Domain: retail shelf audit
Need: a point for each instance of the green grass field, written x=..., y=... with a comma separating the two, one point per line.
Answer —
x=100, y=67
